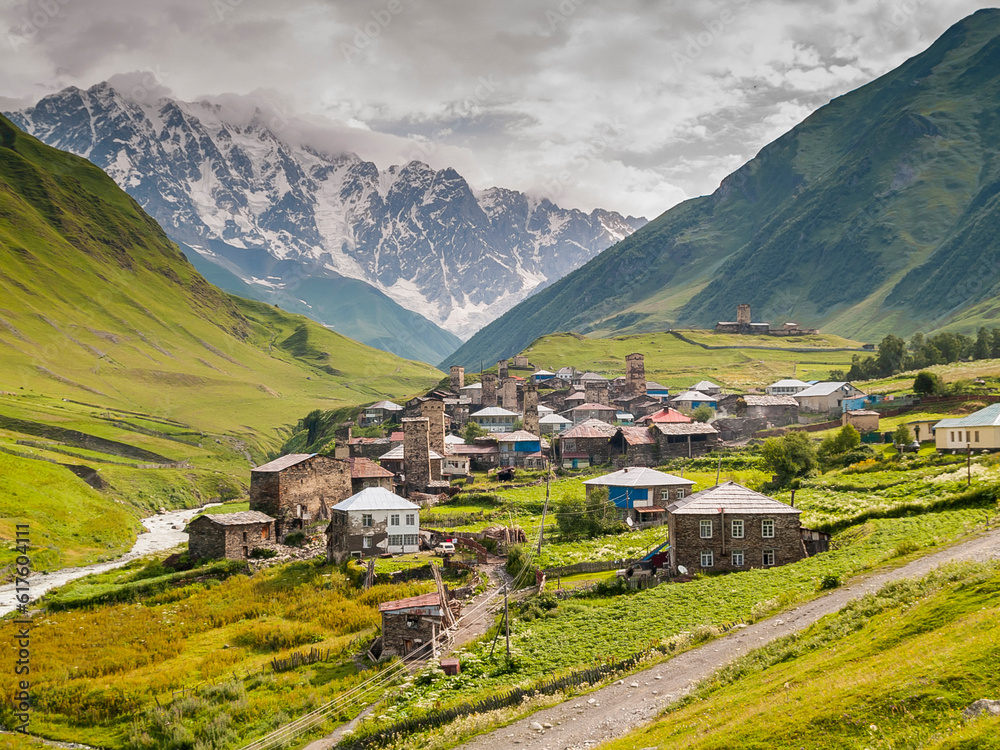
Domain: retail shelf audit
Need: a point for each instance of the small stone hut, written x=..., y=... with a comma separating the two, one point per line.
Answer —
x=230, y=535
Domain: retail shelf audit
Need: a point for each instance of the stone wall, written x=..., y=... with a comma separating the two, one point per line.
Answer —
x=596, y=392
x=301, y=493
x=345, y=536
x=416, y=453
x=207, y=539
x=676, y=446
x=503, y=367
x=434, y=411
x=403, y=633
x=687, y=544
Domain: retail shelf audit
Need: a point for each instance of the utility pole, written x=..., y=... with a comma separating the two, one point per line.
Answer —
x=718, y=470
x=968, y=464
x=506, y=619
x=541, y=532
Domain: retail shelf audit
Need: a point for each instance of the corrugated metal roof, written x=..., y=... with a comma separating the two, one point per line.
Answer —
x=703, y=385
x=594, y=377
x=665, y=416
x=280, y=464
x=788, y=383
x=493, y=411
x=729, y=497
x=474, y=450
x=694, y=396
x=237, y=519
x=424, y=601
x=365, y=468
x=689, y=428
x=637, y=435
x=988, y=417
x=554, y=419
x=822, y=389
x=593, y=407
x=590, y=428
x=396, y=454
x=652, y=385
x=386, y=406
x=638, y=476
x=519, y=436
x=375, y=498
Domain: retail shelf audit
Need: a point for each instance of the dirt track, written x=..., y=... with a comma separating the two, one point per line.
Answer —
x=610, y=712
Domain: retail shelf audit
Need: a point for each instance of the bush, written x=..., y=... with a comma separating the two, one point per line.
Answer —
x=790, y=456
x=262, y=553
x=928, y=384
x=295, y=539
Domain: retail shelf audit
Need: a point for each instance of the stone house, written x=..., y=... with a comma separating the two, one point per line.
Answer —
x=230, y=535
x=299, y=488
x=863, y=420
x=707, y=387
x=366, y=473
x=589, y=411
x=552, y=424
x=635, y=445
x=591, y=439
x=730, y=527
x=777, y=410
x=641, y=494
x=409, y=625
x=484, y=454
x=372, y=522
x=684, y=439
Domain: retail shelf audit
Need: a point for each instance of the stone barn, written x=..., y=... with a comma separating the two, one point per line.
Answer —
x=230, y=535
x=299, y=488
x=730, y=527
x=412, y=624
x=677, y=439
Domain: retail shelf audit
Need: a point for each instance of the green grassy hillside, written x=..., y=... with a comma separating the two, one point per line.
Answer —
x=893, y=669
x=877, y=214
x=108, y=333
x=679, y=364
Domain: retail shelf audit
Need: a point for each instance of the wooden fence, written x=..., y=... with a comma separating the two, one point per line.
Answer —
x=586, y=567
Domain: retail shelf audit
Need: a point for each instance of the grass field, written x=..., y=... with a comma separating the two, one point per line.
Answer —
x=678, y=364
x=894, y=669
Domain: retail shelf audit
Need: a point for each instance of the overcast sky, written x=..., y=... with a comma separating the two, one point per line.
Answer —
x=632, y=105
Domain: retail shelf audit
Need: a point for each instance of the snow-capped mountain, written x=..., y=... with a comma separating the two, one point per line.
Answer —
x=213, y=173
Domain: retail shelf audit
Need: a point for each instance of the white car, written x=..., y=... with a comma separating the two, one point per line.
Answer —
x=445, y=548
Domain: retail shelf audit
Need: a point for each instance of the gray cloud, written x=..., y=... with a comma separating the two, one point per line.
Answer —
x=626, y=104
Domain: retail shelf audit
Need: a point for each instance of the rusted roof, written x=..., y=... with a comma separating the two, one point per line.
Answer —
x=474, y=450
x=666, y=415
x=237, y=519
x=423, y=601
x=591, y=428
x=280, y=464
x=365, y=468
x=637, y=436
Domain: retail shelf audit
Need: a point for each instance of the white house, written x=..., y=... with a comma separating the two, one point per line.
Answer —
x=977, y=431
x=786, y=387
x=372, y=522
x=642, y=494
x=825, y=397
x=495, y=419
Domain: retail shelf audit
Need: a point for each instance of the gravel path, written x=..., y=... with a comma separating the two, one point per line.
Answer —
x=613, y=711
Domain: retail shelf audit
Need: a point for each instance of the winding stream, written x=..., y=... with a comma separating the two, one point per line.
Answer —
x=163, y=532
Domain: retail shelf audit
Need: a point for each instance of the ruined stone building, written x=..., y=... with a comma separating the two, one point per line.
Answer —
x=412, y=624
x=372, y=522
x=230, y=535
x=299, y=488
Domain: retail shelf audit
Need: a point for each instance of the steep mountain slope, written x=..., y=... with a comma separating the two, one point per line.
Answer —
x=877, y=214
x=229, y=173
x=96, y=304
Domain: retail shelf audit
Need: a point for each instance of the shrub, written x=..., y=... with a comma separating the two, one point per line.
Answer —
x=262, y=553
x=295, y=539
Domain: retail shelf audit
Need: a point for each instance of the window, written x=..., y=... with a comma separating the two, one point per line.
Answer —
x=265, y=532
x=737, y=558
x=768, y=557
x=951, y=436
x=679, y=494
x=395, y=540
x=706, y=529
x=366, y=542
x=738, y=528
x=411, y=519
x=707, y=559
x=366, y=520
x=394, y=519
x=767, y=528
x=977, y=436
x=664, y=495
x=410, y=539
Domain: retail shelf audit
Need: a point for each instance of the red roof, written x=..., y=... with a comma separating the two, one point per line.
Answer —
x=665, y=415
x=650, y=510
x=365, y=468
x=424, y=600
x=396, y=437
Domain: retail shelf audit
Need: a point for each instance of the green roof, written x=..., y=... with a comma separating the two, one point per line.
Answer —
x=988, y=417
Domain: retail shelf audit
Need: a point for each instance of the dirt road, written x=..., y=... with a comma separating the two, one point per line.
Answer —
x=615, y=710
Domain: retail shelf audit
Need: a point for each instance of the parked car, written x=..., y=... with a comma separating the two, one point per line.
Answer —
x=636, y=570
x=445, y=548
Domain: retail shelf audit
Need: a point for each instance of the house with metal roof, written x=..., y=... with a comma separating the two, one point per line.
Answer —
x=979, y=431
x=366, y=473
x=665, y=415
x=634, y=445
x=656, y=391
x=495, y=419
x=587, y=411
x=553, y=423
x=730, y=527
x=414, y=625
x=641, y=494
x=516, y=446
x=825, y=397
x=298, y=489
x=685, y=439
x=691, y=400
x=380, y=413
x=707, y=387
x=785, y=387
x=372, y=522
x=586, y=444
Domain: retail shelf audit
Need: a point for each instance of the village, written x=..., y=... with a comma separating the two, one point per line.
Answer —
x=377, y=497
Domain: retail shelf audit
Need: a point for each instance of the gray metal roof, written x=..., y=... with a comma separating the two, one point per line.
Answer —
x=494, y=411
x=694, y=396
x=279, y=464
x=638, y=476
x=397, y=454
x=375, y=498
x=823, y=389
x=987, y=417
x=752, y=400
x=729, y=497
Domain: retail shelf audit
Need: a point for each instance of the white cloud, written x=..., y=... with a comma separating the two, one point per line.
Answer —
x=639, y=104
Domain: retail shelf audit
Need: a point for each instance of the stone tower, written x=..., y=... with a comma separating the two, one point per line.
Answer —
x=433, y=409
x=502, y=367
x=743, y=315
x=509, y=391
x=416, y=454
x=635, y=375
x=531, y=409
x=457, y=377
x=489, y=389
x=596, y=392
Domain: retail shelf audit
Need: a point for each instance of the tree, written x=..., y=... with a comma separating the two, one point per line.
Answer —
x=703, y=413
x=927, y=383
x=983, y=345
x=995, y=343
x=891, y=355
x=902, y=435
x=472, y=431
x=847, y=439
x=789, y=456
x=578, y=518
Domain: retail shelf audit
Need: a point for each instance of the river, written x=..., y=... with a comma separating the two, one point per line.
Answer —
x=163, y=531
